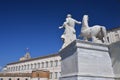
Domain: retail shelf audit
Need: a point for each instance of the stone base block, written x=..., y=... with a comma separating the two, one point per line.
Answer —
x=86, y=61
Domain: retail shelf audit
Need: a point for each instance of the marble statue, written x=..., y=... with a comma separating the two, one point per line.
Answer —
x=69, y=34
x=97, y=33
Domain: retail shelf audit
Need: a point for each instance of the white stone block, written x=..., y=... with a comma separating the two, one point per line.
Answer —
x=86, y=61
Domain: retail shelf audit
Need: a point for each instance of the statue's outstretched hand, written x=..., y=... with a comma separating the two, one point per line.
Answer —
x=60, y=27
x=79, y=22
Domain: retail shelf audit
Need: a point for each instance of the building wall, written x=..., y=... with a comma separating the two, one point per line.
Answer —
x=52, y=64
x=115, y=57
x=113, y=35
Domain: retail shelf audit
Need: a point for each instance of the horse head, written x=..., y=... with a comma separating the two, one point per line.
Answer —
x=85, y=17
x=85, y=22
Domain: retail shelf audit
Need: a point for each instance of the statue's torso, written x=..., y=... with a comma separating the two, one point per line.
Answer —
x=71, y=22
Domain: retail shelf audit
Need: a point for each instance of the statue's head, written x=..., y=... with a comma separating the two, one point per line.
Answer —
x=69, y=15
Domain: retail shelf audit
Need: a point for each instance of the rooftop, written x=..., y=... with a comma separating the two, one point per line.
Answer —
x=113, y=29
x=41, y=57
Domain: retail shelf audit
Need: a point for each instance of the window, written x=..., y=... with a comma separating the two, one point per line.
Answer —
x=108, y=39
x=46, y=64
x=60, y=74
x=51, y=74
x=8, y=68
x=51, y=63
x=11, y=68
x=56, y=63
x=16, y=68
x=27, y=67
x=31, y=66
x=19, y=68
x=56, y=75
x=24, y=67
x=35, y=66
x=42, y=64
x=38, y=65
x=117, y=37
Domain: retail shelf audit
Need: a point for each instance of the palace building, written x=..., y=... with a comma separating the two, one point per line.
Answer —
x=113, y=35
x=23, y=69
x=45, y=67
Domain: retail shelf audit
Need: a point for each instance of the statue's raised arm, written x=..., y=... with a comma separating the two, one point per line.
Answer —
x=78, y=22
x=64, y=24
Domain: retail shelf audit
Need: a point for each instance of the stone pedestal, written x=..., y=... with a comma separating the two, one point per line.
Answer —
x=86, y=61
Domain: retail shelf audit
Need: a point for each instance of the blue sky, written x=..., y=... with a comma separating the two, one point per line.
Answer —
x=34, y=24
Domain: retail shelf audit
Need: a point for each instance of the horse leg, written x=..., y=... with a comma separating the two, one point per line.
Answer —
x=104, y=34
x=94, y=39
x=104, y=31
x=85, y=39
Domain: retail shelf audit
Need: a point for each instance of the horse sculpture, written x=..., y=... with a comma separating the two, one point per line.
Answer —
x=96, y=33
